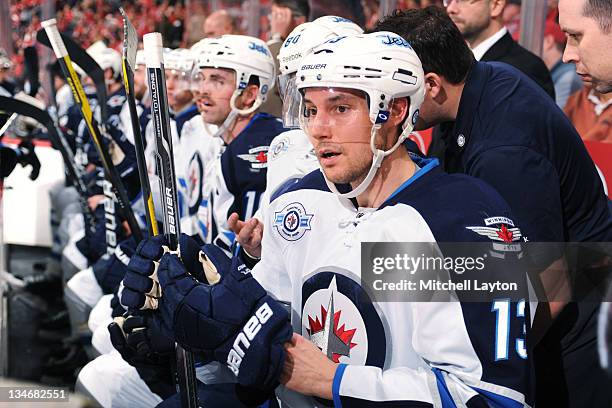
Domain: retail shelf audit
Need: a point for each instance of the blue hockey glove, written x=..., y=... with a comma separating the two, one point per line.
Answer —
x=234, y=319
x=141, y=286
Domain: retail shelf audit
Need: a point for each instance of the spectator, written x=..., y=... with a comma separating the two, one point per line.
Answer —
x=219, y=23
x=194, y=26
x=588, y=25
x=500, y=127
x=284, y=17
x=591, y=114
x=563, y=75
x=482, y=26
x=512, y=18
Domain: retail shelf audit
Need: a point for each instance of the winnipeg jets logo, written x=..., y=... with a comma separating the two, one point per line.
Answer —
x=333, y=341
x=334, y=324
x=279, y=148
x=500, y=231
x=195, y=173
x=257, y=157
x=292, y=222
x=504, y=238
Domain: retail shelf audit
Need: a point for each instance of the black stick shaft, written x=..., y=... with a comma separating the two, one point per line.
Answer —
x=165, y=161
x=80, y=98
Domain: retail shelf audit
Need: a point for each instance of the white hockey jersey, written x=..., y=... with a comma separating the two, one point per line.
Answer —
x=195, y=158
x=393, y=353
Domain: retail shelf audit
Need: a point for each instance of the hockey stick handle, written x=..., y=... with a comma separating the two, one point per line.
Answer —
x=147, y=196
x=79, y=96
x=160, y=118
x=165, y=161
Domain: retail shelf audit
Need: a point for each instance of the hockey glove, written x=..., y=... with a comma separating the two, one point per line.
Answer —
x=27, y=156
x=141, y=344
x=141, y=286
x=235, y=319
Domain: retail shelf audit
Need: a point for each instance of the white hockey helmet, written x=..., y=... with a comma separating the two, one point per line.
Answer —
x=179, y=59
x=178, y=63
x=140, y=59
x=106, y=58
x=298, y=44
x=384, y=66
x=247, y=57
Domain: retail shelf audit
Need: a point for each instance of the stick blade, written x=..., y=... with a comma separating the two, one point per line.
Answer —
x=130, y=40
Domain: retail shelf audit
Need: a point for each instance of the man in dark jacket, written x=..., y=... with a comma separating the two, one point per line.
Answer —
x=501, y=127
x=480, y=23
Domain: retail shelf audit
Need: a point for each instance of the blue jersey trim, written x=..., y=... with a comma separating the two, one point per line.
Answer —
x=498, y=401
x=431, y=164
x=336, y=385
x=445, y=396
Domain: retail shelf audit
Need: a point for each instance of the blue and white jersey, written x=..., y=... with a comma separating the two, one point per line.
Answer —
x=393, y=353
x=241, y=173
x=195, y=157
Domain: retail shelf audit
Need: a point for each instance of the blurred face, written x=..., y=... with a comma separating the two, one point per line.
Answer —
x=338, y=125
x=177, y=84
x=140, y=82
x=213, y=88
x=216, y=26
x=587, y=46
x=472, y=17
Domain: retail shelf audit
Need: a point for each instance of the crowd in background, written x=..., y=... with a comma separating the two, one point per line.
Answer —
x=183, y=23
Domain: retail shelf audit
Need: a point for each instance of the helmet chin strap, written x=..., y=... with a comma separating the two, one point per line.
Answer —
x=233, y=115
x=377, y=160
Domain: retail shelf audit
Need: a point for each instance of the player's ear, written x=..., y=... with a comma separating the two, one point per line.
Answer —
x=248, y=97
x=399, y=110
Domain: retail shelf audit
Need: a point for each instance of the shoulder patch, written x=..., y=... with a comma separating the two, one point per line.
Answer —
x=292, y=222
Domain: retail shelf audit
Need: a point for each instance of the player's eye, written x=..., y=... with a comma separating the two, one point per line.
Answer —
x=310, y=112
x=342, y=109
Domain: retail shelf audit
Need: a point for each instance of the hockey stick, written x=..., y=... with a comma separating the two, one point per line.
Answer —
x=79, y=96
x=7, y=124
x=23, y=108
x=130, y=44
x=31, y=64
x=80, y=57
x=160, y=116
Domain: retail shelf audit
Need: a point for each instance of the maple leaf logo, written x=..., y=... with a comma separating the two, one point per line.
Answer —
x=340, y=333
x=262, y=157
x=504, y=234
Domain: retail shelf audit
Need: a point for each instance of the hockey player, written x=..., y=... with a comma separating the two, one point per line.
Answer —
x=235, y=75
x=361, y=97
x=291, y=155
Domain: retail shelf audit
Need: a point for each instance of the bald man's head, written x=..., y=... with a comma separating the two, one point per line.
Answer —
x=218, y=24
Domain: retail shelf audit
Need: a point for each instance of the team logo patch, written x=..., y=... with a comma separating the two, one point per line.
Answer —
x=497, y=230
x=339, y=318
x=257, y=157
x=292, y=222
x=279, y=148
x=116, y=101
x=195, y=173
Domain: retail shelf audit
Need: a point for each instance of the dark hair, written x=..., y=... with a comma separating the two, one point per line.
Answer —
x=435, y=39
x=299, y=8
x=601, y=11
